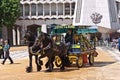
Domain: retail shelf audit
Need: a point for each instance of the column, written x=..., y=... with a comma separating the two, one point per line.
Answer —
x=56, y=9
x=43, y=10
x=70, y=9
x=36, y=9
x=14, y=36
x=23, y=10
x=50, y=10
x=18, y=36
x=30, y=10
x=119, y=8
x=63, y=9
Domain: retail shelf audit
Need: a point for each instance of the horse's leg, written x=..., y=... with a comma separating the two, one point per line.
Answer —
x=40, y=61
x=38, y=65
x=29, y=68
x=49, y=65
x=52, y=60
x=62, y=68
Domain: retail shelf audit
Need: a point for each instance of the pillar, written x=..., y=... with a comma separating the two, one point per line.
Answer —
x=50, y=10
x=56, y=9
x=63, y=9
x=14, y=36
x=30, y=10
x=70, y=9
x=23, y=10
x=36, y=9
x=18, y=36
x=43, y=10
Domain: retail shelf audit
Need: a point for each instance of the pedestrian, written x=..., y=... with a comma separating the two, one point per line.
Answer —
x=7, y=52
x=119, y=43
x=1, y=48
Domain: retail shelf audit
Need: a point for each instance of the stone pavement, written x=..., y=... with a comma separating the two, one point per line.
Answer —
x=106, y=67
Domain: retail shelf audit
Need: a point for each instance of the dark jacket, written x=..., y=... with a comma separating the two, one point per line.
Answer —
x=69, y=38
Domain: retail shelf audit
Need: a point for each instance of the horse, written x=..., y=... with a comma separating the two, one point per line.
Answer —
x=29, y=37
x=49, y=49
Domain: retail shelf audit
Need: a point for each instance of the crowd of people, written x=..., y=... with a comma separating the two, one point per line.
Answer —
x=4, y=51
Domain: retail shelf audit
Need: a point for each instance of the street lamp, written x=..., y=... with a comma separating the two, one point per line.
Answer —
x=96, y=18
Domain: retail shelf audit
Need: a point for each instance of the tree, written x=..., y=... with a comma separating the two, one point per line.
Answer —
x=9, y=12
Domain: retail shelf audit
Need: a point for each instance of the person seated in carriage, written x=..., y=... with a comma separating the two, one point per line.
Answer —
x=69, y=39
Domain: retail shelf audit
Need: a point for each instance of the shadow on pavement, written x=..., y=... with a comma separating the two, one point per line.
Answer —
x=16, y=63
x=101, y=64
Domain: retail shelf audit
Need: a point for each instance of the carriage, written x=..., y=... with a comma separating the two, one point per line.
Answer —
x=81, y=51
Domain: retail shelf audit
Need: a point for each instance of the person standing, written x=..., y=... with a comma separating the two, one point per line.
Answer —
x=1, y=48
x=7, y=52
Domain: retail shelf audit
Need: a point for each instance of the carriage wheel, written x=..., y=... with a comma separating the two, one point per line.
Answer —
x=91, y=59
x=79, y=62
x=58, y=61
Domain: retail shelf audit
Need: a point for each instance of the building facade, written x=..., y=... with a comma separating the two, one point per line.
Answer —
x=45, y=13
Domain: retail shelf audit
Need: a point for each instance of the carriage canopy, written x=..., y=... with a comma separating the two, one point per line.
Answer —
x=64, y=29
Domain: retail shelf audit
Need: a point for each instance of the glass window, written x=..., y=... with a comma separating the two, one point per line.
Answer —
x=40, y=9
x=46, y=9
x=73, y=8
x=60, y=9
x=33, y=9
x=67, y=9
x=21, y=10
x=53, y=9
x=27, y=9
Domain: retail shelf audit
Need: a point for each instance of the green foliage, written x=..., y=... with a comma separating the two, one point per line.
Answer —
x=9, y=12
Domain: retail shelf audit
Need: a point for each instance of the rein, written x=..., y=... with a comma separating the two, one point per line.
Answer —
x=36, y=53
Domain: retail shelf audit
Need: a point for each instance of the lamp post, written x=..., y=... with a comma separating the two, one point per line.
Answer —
x=96, y=18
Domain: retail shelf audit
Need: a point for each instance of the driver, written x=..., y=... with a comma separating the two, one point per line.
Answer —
x=69, y=39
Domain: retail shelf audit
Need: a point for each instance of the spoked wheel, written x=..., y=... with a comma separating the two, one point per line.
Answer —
x=91, y=59
x=79, y=61
x=58, y=61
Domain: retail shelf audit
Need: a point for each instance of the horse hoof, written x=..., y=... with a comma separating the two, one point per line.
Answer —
x=39, y=68
x=48, y=70
x=29, y=69
x=62, y=69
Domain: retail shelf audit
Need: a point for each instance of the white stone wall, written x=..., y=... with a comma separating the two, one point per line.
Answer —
x=106, y=8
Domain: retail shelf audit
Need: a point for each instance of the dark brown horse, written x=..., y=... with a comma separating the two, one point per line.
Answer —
x=49, y=49
x=30, y=39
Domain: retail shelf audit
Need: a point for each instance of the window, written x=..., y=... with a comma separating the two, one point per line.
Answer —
x=21, y=10
x=27, y=9
x=40, y=9
x=33, y=10
x=60, y=9
x=53, y=9
x=67, y=9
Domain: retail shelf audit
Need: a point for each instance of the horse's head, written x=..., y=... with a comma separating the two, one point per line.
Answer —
x=29, y=38
x=38, y=42
x=42, y=36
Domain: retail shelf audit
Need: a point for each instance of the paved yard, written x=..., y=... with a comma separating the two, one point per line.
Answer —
x=106, y=67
